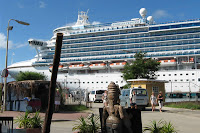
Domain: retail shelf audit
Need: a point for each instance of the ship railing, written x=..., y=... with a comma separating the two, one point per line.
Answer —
x=198, y=19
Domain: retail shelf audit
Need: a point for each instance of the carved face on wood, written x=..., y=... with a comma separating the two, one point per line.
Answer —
x=113, y=92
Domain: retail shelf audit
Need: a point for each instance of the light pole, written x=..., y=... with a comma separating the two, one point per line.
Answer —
x=6, y=60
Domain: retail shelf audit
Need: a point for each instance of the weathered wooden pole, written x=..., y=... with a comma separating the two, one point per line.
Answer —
x=56, y=61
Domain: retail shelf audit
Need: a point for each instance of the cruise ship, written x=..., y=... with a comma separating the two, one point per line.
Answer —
x=94, y=55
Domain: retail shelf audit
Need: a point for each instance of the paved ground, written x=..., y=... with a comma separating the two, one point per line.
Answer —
x=184, y=120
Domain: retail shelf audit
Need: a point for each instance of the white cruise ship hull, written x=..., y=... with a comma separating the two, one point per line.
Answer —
x=94, y=55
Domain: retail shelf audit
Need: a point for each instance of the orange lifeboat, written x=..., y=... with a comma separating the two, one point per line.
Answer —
x=60, y=68
x=171, y=62
x=117, y=65
x=76, y=66
x=192, y=60
x=97, y=66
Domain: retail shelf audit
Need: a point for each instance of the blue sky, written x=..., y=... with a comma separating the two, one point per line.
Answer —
x=46, y=15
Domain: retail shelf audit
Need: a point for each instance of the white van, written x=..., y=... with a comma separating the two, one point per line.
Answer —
x=142, y=99
x=96, y=95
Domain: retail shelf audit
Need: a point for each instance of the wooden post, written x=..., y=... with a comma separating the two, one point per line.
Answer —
x=56, y=61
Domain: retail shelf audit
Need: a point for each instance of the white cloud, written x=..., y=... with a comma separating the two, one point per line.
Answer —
x=11, y=45
x=42, y=4
x=161, y=14
x=20, y=5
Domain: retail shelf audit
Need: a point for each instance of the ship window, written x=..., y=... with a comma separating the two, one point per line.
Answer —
x=193, y=79
x=187, y=79
x=186, y=73
x=97, y=82
x=175, y=80
x=192, y=73
x=175, y=26
x=169, y=74
x=92, y=82
x=163, y=74
x=181, y=80
x=164, y=27
x=181, y=74
x=83, y=82
x=101, y=81
x=175, y=74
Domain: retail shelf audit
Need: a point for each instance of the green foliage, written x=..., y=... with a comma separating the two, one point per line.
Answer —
x=141, y=67
x=154, y=127
x=87, y=125
x=188, y=105
x=29, y=120
x=36, y=121
x=24, y=120
x=126, y=86
x=30, y=76
x=160, y=127
x=94, y=124
x=168, y=128
x=73, y=108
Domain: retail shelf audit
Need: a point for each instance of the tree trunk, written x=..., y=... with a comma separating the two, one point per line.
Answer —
x=56, y=61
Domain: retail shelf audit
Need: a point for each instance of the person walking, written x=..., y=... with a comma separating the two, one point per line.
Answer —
x=160, y=100
x=57, y=100
x=105, y=98
x=133, y=100
x=153, y=101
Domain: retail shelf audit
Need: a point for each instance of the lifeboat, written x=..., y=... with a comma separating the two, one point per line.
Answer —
x=76, y=66
x=117, y=65
x=60, y=68
x=171, y=62
x=97, y=66
x=191, y=60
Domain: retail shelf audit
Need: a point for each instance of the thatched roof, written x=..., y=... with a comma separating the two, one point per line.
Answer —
x=28, y=84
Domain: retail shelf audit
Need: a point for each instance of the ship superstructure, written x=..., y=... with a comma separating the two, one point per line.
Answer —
x=94, y=55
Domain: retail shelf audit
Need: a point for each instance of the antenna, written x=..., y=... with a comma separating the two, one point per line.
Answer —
x=87, y=11
x=12, y=57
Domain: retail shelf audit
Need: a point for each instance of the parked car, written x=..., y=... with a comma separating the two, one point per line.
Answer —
x=142, y=99
x=96, y=95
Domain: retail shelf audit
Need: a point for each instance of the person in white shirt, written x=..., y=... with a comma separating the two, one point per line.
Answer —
x=105, y=98
x=57, y=100
x=153, y=101
x=133, y=100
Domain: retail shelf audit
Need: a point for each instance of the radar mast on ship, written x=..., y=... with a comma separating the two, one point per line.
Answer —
x=82, y=18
